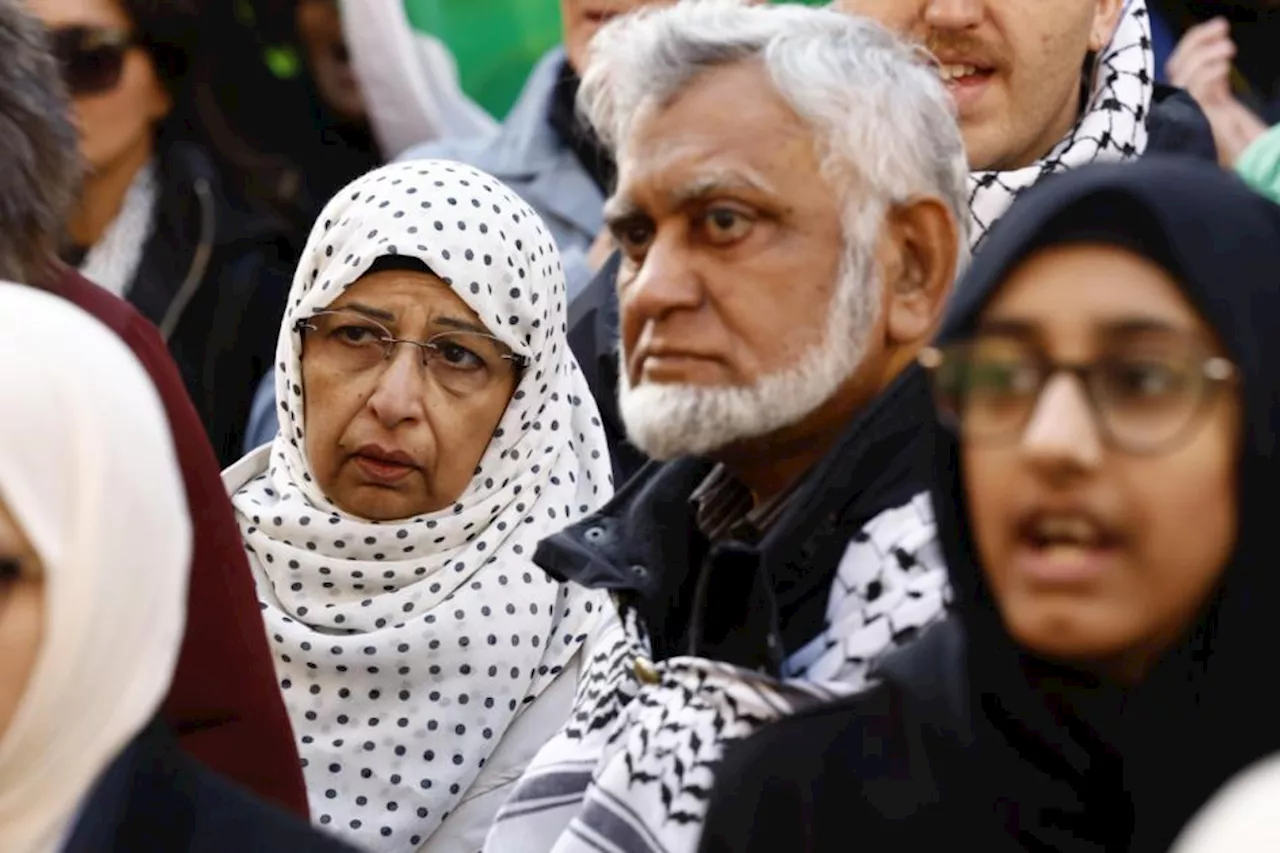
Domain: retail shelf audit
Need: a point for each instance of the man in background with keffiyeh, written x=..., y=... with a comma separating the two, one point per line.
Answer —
x=1042, y=86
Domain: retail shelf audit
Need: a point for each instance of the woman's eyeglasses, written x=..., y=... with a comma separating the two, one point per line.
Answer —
x=92, y=58
x=1146, y=395
x=348, y=342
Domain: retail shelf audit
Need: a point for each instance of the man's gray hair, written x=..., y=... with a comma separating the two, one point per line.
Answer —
x=883, y=122
x=39, y=154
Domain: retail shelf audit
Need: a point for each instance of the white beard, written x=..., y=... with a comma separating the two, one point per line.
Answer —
x=671, y=420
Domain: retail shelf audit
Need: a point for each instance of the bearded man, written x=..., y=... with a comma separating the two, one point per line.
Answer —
x=785, y=257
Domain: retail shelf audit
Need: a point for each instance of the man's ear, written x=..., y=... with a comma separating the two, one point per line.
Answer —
x=1105, y=19
x=919, y=246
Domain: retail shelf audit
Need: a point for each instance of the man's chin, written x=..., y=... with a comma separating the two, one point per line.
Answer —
x=667, y=421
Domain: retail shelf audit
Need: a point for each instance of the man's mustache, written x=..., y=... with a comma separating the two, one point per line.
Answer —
x=974, y=51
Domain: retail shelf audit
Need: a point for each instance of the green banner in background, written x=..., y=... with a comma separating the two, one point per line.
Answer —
x=495, y=42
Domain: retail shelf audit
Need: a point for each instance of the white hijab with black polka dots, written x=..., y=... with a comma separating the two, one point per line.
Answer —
x=405, y=649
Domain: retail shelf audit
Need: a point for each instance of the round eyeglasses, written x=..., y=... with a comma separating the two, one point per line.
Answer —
x=461, y=361
x=1146, y=396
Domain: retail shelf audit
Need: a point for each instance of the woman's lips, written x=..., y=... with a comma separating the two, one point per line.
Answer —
x=1060, y=565
x=383, y=471
x=1066, y=547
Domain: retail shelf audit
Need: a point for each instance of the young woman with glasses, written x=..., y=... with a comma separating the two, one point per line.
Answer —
x=1108, y=385
x=155, y=223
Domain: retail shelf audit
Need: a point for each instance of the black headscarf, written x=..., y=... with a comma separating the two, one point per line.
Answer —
x=1084, y=765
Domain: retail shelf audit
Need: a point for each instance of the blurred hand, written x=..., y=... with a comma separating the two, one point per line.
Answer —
x=1201, y=64
x=600, y=250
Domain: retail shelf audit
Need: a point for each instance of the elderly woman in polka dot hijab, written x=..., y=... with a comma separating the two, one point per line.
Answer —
x=435, y=426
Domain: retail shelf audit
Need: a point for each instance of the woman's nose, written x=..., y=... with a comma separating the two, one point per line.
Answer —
x=1063, y=430
x=400, y=394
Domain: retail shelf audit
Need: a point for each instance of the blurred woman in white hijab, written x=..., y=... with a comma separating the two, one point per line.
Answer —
x=95, y=544
x=1242, y=818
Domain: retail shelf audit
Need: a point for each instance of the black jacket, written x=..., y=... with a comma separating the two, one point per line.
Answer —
x=156, y=799
x=963, y=740
x=214, y=278
x=748, y=604
x=1176, y=126
x=866, y=773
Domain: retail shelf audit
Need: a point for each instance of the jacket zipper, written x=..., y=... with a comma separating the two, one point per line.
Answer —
x=199, y=262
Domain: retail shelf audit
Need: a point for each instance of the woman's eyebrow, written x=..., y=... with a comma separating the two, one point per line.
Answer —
x=461, y=325
x=1142, y=325
x=370, y=311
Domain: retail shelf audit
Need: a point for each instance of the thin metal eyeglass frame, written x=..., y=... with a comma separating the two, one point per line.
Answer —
x=390, y=341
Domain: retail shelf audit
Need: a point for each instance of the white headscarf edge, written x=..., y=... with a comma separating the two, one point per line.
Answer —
x=88, y=469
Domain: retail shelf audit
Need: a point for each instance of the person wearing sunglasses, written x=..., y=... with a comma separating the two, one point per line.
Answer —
x=224, y=704
x=434, y=426
x=1106, y=480
x=154, y=222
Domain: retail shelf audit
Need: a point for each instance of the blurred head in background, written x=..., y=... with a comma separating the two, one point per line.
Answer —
x=581, y=20
x=95, y=544
x=41, y=171
x=1013, y=67
x=319, y=25
x=124, y=63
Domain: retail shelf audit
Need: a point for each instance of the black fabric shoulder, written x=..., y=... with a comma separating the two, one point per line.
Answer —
x=851, y=774
x=1177, y=126
x=931, y=670
x=156, y=799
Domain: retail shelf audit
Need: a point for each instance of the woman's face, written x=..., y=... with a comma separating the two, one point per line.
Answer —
x=21, y=615
x=1099, y=557
x=319, y=25
x=116, y=125
x=391, y=439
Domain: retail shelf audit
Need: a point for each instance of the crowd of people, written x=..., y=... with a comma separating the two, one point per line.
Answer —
x=790, y=427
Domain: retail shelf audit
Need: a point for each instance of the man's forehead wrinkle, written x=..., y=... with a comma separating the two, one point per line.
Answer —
x=690, y=171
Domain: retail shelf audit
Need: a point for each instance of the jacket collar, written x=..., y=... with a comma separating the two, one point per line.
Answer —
x=193, y=220
x=881, y=461
x=528, y=151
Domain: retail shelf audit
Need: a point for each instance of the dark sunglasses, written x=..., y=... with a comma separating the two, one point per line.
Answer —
x=92, y=58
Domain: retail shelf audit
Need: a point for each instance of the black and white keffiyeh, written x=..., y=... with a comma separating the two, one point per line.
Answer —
x=1112, y=128
x=406, y=649
x=633, y=770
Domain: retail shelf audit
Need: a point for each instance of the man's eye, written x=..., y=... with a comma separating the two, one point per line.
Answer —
x=632, y=235
x=725, y=225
